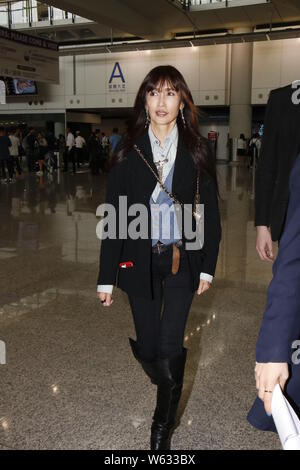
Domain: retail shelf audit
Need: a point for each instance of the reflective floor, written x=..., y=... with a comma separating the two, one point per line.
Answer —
x=70, y=381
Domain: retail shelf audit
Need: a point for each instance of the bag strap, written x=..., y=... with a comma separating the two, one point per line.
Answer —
x=197, y=197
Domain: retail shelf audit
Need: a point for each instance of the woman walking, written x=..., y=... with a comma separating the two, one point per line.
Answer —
x=162, y=163
x=42, y=150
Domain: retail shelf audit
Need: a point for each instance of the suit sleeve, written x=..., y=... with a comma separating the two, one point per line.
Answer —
x=281, y=321
x=111, y=247
x=266, y=173
x=212, y=226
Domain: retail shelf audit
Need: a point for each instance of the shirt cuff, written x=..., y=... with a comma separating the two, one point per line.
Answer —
x=107, y=289
x=206, y=277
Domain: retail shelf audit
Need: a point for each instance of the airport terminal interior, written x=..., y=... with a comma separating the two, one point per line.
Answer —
x=67, y=375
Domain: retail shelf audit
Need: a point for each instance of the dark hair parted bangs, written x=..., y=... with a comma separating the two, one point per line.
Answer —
x=196, y=144
x=161, y=76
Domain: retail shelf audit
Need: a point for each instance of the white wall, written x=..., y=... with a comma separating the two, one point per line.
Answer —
x=275, y=64
x=206, y=69
x=203, y=69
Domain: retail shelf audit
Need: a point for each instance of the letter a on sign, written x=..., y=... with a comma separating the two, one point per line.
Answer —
x=117, y=73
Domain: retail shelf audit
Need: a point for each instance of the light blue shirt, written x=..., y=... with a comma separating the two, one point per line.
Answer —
x=164, y=225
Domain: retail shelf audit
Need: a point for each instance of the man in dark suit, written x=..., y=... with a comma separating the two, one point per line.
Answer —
x=276, y=359
x=280, y=147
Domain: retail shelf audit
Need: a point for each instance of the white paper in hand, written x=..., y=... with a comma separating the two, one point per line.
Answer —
x=286, y=421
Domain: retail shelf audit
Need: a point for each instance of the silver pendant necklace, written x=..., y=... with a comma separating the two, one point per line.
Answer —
x=160, y=164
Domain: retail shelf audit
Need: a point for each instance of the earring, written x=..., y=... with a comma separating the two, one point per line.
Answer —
x=182, y=117
x=147, y=118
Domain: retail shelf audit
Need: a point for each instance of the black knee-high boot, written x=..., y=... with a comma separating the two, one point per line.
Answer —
x=149, y=367
x=170, y=373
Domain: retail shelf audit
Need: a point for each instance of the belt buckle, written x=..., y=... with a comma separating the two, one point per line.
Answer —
x=158, y=247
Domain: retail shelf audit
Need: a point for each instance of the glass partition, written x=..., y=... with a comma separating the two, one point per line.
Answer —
x=19, y=12
x=31, y=11
x=58, y=14
x=3, y=15
x=39, y=11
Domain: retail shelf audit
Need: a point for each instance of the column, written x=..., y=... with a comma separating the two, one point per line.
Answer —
x=241, y=87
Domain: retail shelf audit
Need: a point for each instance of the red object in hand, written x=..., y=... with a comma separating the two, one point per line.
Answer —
x=126, y=264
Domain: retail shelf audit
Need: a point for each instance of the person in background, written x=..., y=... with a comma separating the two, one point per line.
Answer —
x=79, y=148
x=61, y=147
x=95, y=152
x=30, y=148
x=103, y=162
x=51, y=157
x=242, y=145
x=105, y=143
x=20, y=134
x=42, y=150
x=5, y=158
x=14, y=151
x=113, y=140
x=69, y=154
x=254, y=147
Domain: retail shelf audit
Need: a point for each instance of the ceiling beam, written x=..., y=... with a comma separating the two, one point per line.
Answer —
x=228, y=38
x=115, y=14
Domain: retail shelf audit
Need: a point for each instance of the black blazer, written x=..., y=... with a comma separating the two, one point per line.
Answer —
x=133, y=178
x=280, y=147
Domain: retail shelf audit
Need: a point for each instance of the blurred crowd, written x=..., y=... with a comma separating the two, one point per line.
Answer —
x=42, y=152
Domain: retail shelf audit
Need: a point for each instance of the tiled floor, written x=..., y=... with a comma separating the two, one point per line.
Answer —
x=70, y=381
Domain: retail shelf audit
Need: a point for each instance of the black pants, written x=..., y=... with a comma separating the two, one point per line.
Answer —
x=160, y=332
x=94, y=163
x=7, y=163
x=17, y=165
x=30, y=160
x=79, y=156
x=70, y=155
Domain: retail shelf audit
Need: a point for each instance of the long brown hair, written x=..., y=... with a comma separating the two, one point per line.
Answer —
x=190, y=132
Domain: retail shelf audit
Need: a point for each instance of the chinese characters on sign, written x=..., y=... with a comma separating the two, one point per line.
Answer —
x=117, y=81
x=28, y=57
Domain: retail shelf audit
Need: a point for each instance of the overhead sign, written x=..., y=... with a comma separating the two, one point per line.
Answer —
x=117, y=80
x=25, y=56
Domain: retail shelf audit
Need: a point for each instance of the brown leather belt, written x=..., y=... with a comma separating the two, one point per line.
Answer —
x=159, y=248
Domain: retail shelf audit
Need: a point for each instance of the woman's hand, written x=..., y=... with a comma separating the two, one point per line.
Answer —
x=267, y=375
x=203, y=286
x=106, y=299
